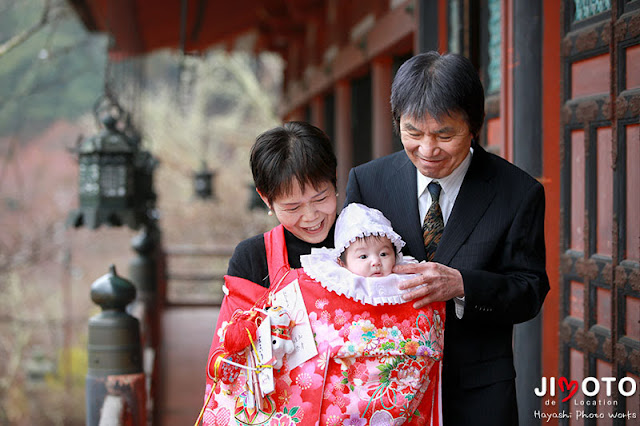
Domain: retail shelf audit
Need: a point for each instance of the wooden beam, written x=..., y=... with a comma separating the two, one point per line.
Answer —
x=390, y=31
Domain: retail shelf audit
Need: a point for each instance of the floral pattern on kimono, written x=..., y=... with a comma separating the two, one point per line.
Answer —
x=376, y=365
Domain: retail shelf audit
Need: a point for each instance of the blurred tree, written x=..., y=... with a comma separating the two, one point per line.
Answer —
x=51, y=67
x=231, y=99
x=26, y=34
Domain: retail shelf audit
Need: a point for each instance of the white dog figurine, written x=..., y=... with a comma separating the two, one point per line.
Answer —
x=281, y=325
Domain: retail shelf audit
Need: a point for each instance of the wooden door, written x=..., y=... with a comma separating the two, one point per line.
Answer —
x=600, y=209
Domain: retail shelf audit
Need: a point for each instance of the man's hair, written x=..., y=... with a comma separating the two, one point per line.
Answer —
x=295, y=151
x=438, y=85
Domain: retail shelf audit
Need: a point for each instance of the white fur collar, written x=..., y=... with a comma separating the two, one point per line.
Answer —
x=321, y=265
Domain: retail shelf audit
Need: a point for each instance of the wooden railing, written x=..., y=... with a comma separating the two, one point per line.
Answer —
x=195, y=274
x=177, y=276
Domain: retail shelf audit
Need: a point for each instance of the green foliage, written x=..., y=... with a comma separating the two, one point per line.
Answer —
x=56, y=74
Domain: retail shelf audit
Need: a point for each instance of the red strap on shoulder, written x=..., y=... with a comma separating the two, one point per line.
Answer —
x=277, y=257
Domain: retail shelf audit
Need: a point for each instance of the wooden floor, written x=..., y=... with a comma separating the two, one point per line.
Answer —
x=187, y=334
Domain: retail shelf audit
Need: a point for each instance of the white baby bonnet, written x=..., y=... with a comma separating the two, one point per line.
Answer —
x=357, y=221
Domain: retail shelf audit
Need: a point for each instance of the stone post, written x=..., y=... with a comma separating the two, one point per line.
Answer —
x=115, y=385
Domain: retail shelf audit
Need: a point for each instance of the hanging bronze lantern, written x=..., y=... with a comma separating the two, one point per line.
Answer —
x=106, y=178
x=144, y=167
x=145, y=199
x=203, y=182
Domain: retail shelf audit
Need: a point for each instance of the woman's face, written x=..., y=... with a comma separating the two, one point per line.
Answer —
x=307, y=213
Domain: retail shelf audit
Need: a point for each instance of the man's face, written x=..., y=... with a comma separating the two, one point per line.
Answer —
x=436, y=148
x=370, y=257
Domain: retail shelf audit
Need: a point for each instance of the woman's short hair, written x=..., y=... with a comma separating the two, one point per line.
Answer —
x=434, y=84
x=294, y=152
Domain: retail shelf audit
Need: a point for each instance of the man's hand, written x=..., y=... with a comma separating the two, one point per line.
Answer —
x=436, y=282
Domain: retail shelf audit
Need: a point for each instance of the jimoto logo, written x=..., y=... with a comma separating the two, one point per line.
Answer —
x=594, y=402
x=590, y=386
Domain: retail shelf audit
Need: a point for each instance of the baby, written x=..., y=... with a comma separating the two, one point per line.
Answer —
x=360, y=266
x=371, y=256
x=366, y=241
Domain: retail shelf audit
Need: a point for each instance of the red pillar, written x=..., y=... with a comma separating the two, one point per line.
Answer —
x=506, y=95
x=381, y=112
x=295, y=115
x=344, y=149
x=551, y=136
x=317, y=112
x=443, y=26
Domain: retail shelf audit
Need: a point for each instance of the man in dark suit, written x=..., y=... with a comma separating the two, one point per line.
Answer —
x=482, y=234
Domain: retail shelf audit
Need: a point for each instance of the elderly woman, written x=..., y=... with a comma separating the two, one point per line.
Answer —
x=292, y=350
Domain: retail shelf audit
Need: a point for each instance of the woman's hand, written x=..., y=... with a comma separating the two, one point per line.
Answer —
x=436, y=283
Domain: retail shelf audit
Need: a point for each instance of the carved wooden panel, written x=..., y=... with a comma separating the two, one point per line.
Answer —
x=600, y=207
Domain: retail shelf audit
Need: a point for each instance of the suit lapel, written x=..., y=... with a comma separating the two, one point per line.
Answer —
x=403, y=190
x=475, y=196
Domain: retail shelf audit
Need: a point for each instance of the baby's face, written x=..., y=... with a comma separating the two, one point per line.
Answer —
x=371, y=257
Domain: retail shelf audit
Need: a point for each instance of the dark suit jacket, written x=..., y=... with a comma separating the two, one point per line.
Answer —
x=495, y=238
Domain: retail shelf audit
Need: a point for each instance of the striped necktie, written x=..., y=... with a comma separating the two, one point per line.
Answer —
x=433, y=224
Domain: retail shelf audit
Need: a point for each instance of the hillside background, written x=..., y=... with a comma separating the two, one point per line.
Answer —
x=48, y=86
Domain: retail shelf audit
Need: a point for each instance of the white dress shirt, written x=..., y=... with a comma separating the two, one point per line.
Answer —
x=450, y=188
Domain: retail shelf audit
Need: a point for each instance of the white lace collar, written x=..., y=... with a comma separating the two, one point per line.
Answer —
x=321, y=265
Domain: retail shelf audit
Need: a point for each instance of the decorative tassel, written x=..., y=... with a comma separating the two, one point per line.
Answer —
x=236, y=336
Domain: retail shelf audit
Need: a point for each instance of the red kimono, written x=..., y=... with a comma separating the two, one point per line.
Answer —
x=375, y=365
